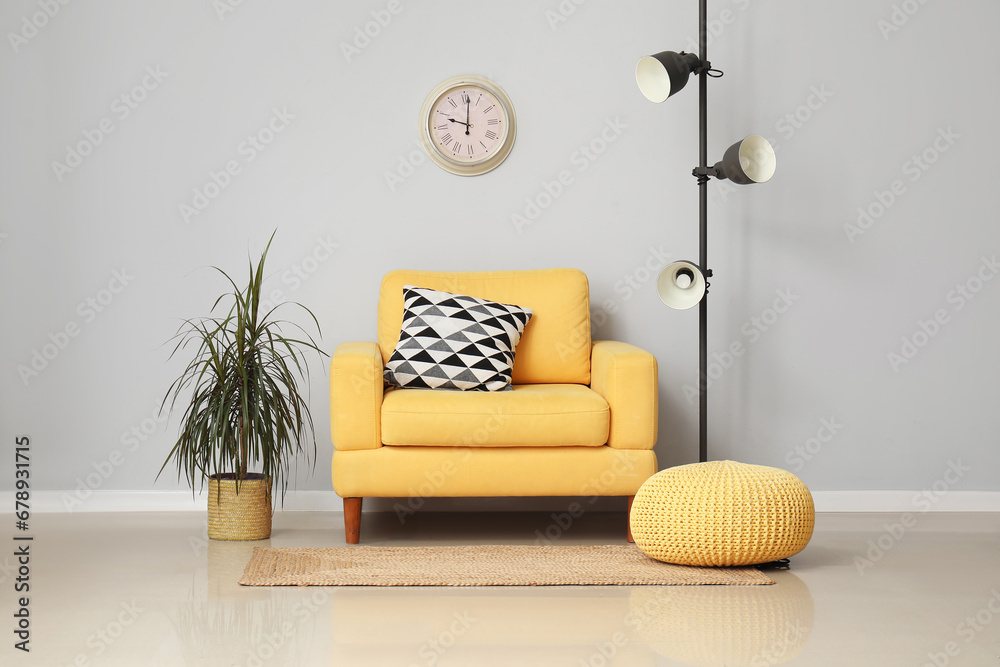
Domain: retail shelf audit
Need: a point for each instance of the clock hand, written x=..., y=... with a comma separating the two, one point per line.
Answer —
x=467, y=125
x=461, y=123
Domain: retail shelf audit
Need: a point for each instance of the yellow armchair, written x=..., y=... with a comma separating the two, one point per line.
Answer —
x=581, y=419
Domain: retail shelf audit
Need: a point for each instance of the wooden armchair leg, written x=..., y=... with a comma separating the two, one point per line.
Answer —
x=352, y=520
x=628, y=520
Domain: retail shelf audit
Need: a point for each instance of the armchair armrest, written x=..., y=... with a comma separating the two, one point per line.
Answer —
x=356, y=389
x=626, y=376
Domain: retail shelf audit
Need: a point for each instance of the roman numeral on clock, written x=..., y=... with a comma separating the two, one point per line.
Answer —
x=446, y=139
x=452, y=103
x=492, y=121
x=490, y=134
x=457, y=148
x=489, y=108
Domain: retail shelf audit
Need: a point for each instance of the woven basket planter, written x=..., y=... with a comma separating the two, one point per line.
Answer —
x=245, y=515
x=722, y=513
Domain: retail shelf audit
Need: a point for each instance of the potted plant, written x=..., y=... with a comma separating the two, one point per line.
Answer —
x=244, y=408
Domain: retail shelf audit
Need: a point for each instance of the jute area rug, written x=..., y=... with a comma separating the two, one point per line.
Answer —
x=506, y=565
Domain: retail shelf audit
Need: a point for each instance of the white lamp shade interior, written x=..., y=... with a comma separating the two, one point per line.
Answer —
x=680, y=285
x=653, y=80
x=757, y=158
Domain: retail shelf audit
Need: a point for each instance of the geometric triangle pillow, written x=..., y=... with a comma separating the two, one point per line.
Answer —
x=453, y=341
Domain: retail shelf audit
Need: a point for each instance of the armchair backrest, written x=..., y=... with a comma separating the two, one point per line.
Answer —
x=555, y=346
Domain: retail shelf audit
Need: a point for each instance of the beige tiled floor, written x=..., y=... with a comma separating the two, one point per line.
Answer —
x=146, y=590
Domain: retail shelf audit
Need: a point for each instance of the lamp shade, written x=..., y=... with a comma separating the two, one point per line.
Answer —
x=662, y=75
x=681, y=285
x=748, y=161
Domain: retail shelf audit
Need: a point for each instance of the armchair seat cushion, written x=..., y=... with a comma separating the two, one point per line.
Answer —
x=532, y=415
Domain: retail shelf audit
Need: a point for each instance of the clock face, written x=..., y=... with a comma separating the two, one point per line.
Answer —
x=467, y=125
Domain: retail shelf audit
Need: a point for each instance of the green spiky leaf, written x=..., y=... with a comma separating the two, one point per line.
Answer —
x=245, y=412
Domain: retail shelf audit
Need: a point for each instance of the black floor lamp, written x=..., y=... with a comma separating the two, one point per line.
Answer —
x=683, y=284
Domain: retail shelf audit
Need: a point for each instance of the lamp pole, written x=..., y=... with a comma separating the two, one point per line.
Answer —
x=751, y=160
x=703, y=230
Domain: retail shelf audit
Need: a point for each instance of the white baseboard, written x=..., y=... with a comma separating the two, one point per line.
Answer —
x=906, y=501
x=157, y=501
x=328, y=501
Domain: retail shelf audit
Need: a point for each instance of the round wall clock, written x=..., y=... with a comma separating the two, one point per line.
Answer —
x=467, y=125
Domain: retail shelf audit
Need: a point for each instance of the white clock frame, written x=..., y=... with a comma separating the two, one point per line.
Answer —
x=442, y=157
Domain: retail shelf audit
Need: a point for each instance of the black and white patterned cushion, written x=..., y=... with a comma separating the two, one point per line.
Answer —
x=453, y=341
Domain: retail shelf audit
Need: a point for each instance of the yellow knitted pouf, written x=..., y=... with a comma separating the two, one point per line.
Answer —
x=722, y=513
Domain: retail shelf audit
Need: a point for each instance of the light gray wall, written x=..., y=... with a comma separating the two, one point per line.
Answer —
x=846, y=99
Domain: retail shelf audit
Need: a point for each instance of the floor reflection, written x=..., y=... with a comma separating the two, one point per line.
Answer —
x=634, y=626
x=905, y=610
x=218, y=622
x=725, y=625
